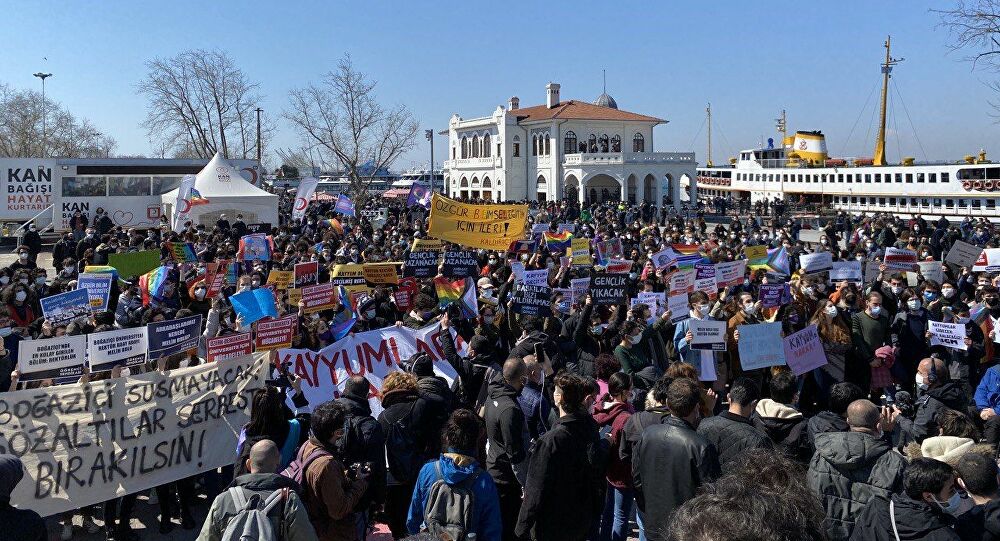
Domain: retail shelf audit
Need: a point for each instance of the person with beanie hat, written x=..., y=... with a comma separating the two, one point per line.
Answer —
x=29, y=525
x=363, y=443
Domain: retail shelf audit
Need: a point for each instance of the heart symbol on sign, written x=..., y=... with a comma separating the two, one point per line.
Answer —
x=121, y=217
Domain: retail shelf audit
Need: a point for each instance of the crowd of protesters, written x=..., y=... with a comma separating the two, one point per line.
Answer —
x=597, y=423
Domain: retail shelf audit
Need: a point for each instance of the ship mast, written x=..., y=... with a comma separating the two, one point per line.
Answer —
x=782, y=125
x=709, y=111
x=879, y=157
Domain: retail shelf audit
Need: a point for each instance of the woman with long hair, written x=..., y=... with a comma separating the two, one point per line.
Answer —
x=270, y=418
x=836, y=339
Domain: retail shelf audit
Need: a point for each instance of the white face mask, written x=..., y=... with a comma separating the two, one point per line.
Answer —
x=635, y=339
x=20, y=296
x=920, y=382
x=913, y=304
x=896, y=290
x=200, y=293
x=702, y=309
x=948, y=292
x=875, y=310
x=750, y=308
x=831, y=310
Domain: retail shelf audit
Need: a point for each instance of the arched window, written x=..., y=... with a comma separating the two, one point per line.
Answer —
x=569, y=143
x=475, y=182
x=592, y=143
x=464, y=183
x=465, y=147
x=475, y=146
x=487, y=183
x=616, y=143
x=603, y=143
x=516, y=149
x=486, y=146
x=547, y=143
x=638, y=143
x=534, y=145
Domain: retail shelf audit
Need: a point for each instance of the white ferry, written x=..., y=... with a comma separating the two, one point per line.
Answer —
x=801, y=172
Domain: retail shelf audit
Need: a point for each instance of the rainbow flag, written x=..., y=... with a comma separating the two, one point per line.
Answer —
x=151, y=284
x=195, y=198
x=335, y=225
x=183, y=252
x=686, y=249
x=776, y=262
x=344, y=320
x=461, y=292
x=232, y=270
x=558, y=242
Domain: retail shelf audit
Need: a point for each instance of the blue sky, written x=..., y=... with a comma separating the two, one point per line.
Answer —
x=817, y=60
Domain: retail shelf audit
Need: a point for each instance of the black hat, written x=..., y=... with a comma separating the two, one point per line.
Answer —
x=357, y=388
x=422, y=365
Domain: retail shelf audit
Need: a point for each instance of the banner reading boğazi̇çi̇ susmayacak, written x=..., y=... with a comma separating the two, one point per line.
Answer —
x=372, y=354
x=491, y=227
x=85, y=444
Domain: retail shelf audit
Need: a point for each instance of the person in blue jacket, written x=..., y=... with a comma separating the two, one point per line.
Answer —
x=988, y=403
x=462, y=434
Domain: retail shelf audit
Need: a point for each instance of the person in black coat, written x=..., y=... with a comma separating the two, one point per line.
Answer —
x=473, y=371
x=20, y=524
x=784, y=425
x=920, y=512
x=363, y=441
x=532, y=328
x=565, y=482
x=32, y=241
x=936, y=392
x=655, y=413
x=834, y=419
x=506, y=441
x=66, y=247
x=672, y=461
x=731, y=432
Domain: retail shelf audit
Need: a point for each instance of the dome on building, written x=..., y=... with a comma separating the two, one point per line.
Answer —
x=605, y=100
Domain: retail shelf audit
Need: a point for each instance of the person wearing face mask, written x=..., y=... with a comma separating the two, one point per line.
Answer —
x=839, y=455
x=748, y=313
x=909, y=334
x=197, y=298
x=89, y=242
x=630, y=352
x=869, y=332
x=699, y=309
x=20, y=305
x=24, y=261
x=836, y=338
x=890, y=287
x=935, y=392
x=506, y=445
x=991, y=324
x=922, y=511
x=963, y=365
x=671, y=461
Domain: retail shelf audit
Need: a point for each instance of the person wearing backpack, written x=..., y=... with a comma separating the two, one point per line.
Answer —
x=453, y=494
x=257, y=497
x=564, y=494
x=363, y=443
x=507, y=440
x=403, y=424
x=330, y=496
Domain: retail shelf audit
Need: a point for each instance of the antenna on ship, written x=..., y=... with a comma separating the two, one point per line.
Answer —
x=879, y=157
x=782, y=125
x=709, y=111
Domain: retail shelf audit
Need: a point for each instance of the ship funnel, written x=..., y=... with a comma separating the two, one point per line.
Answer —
x=788, y=141
x=810, y=146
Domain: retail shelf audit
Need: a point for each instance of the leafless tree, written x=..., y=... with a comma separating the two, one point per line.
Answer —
x=341, y=119
x=975, y=28
x=66, y=135
x=201, y=103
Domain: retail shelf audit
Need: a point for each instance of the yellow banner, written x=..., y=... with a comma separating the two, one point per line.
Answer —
x=755, y=252
x=294, y=296
x=380, y=273
x=493, y=227
x=351, y=276
x=280, y=279
x=427, y=245
x=580, y=251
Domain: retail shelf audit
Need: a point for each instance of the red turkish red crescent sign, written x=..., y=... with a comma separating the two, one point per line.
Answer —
x=187, y=206
x=300, y=203
x=253, y=174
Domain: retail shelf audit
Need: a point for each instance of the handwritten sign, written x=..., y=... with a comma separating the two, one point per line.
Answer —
x=804, y=351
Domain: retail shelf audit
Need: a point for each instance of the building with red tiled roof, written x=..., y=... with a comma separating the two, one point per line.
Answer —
x=563, y=150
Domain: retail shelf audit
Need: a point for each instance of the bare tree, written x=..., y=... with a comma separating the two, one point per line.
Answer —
x=67, y=136
x=975, y=27
x=341, y=119
x=201, y=103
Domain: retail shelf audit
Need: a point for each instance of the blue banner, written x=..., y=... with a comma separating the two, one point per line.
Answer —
x=98, y=288
x=344, y=205
x=254, y=305
x=173, y=336
x=66, y=307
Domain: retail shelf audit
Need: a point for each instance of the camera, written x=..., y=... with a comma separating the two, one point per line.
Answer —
x=282, y=381
x=357, y=469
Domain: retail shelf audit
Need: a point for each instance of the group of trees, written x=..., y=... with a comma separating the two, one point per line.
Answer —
x=21, y=128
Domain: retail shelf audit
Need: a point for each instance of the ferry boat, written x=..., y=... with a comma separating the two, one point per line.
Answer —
x=408, y=177
x=800, y=172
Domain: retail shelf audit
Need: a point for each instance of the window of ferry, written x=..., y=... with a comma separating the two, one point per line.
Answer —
x=977, y=203
x=991, y=204
x=899, y=177
x=944, y=177
x=850, y=178
x=881, y=201
x=162, y=185
x=892, y=201
x=868, y=178
x=84, y=186
x=937, y=202
x=925, y=202
x=840, y=177
x=878, y=177
x=962, y=203
x=909, y=178
x=993, y=173
x=854, y=200
x=823, y=178
x=784, y=178
x=949, y=203
x=800, y=178
x=931, y=177
x=920, y=177
x=128, y=186
x=913, y=201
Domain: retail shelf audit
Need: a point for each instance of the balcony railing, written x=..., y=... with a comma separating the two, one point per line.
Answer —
x=618, y=158
x=493, y=161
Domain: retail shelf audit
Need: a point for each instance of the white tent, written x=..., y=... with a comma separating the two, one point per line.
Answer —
x=227, y=193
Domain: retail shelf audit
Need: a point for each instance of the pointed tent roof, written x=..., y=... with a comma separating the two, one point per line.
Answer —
x=220, y=178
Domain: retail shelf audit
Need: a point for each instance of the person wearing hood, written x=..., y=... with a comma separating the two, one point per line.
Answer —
x=671, y=461
x=363, y=443
x=533, y=333
x=851, y=468
x=784, y=425
x=458, y=466
x=909, y=332
x=506, y=440
x=935, y=392
x=611, y=413
x=834, y=419
x=731, y=432
x=288, y=518
x=922, y=511
x=20, y=524
x=403, y=426
x=438, y=401
x=422, y=313
x=565, y=482
x=977, y=476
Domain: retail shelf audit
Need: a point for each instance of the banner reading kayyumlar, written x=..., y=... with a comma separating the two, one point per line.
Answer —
x=492, y=227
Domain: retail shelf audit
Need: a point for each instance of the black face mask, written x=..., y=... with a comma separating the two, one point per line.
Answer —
x=995, y=311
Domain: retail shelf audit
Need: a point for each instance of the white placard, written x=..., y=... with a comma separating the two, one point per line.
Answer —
x=846, y=270
x=708, y=334
x=818, y=262
x=949, y=335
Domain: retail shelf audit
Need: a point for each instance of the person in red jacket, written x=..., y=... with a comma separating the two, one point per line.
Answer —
x=612, y=411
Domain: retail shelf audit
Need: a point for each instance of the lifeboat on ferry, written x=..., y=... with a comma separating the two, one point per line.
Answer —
x=836, y=162
x=859, y=162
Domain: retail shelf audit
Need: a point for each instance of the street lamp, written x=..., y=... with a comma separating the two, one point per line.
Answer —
x=45, y=141
x=429, y=134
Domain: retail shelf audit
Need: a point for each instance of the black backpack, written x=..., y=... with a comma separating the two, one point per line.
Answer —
x=402, y=454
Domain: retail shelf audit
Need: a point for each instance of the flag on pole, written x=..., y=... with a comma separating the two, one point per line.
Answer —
x=183, y=205
x=151, y=284
x=420, y=194
x=196, y=198
x=344, y=205
x=304, y=194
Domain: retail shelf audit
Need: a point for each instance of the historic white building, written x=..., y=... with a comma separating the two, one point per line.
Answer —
x=563, y=149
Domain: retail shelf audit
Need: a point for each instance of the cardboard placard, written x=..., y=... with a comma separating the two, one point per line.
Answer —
x=460, y=264
x=173, y=336
x=608, y=288
x=761, y=345
x=52, y=358
x=275, y=333
x=126, y=347
x=306, y=274
x=709, y=335
x=532, y=300
x=422, y=264
x=227, y=348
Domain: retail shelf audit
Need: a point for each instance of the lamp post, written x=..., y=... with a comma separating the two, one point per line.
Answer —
x=429, y=134
x=259, y=111
x=45, y=141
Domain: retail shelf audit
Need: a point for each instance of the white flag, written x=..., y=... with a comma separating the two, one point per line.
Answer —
x=307, y=187
x=183, y=203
